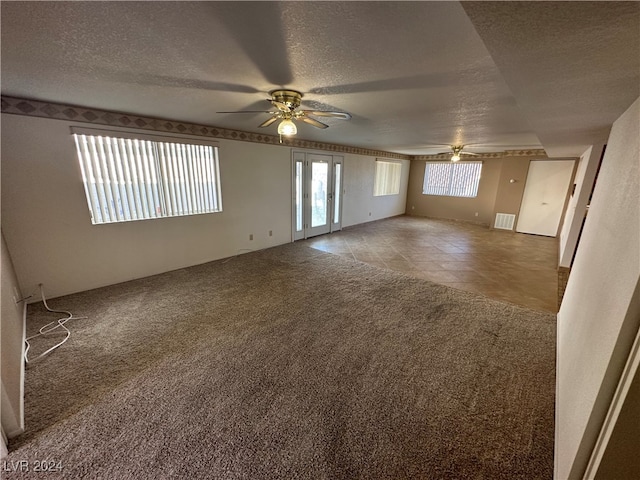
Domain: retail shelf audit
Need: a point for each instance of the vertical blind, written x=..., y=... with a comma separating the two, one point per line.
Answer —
x=387, y=179
x=135, y=179
x=459, y=179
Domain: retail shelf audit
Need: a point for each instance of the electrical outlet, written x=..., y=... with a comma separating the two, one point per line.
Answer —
x=271, y=233
x=476, y=214
x=369, y=213
x=413, y=207
x=251, y=236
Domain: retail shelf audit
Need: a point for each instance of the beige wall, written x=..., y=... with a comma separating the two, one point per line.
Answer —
x=48, y=230
x=452, y=207
x=509, y=194
x=600, y=313
x=621, y=460
x=577, y=206
x=12, y=366
x=496, y=194
x=360, y=205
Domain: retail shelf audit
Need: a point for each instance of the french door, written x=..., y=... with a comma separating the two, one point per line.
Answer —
x=317, y=194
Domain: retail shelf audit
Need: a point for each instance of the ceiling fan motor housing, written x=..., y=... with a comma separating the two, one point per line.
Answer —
x=290, y=98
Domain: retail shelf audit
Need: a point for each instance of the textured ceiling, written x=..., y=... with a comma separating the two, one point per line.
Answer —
x=574, y=67
x=500, y=75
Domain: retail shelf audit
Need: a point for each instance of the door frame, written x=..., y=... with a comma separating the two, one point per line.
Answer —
x=300, y=181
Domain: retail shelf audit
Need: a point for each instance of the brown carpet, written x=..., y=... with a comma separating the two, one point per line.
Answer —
x=291, y=363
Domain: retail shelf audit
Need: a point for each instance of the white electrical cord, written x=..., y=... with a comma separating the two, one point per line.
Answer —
x=48, y=328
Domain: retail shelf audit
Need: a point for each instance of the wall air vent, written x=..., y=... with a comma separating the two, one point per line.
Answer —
x=505, y=221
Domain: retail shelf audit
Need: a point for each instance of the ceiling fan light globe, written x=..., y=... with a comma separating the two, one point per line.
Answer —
x=287, y=128
x=455, y=157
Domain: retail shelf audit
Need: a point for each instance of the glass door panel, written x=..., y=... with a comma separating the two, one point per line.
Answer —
x=298, y=196
x=319, y=177
x=336, y=221
x=318, y=220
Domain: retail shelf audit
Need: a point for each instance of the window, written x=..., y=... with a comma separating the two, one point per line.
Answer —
x=459, y=179
x=387, y=179
x=136, y=177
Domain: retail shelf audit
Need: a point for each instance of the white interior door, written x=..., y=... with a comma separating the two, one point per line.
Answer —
x=544, y=195
x=317, y=194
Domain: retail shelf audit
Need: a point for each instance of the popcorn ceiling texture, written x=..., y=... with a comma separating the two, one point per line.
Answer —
x=186, y=61
x=416, y=76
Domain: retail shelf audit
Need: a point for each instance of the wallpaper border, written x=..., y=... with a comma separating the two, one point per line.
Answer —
x=37, y=108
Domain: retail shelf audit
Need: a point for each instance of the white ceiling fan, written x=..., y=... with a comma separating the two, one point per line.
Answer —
x=287, y=102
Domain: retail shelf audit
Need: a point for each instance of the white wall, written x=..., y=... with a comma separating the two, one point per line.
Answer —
x=48, y=231
x=577, y=206
x=620, y=459
x=12, y=366
x=3, y=447
x=600, y=315
x=52, y=241
x=360, y=205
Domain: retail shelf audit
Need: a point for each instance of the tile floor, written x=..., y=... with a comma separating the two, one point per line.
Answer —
x=508, y=266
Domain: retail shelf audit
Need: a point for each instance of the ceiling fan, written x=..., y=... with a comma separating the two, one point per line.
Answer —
x=456, y=151
x=287, y=102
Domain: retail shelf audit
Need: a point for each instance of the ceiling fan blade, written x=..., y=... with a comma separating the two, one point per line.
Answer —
x=314, y=122
x=321, y=113
x=250, y=111
x=460, y=153
x=268, y=122
x=281, y=106
x=488, y=145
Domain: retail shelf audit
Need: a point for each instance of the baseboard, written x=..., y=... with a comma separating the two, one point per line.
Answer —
x=22, y=371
